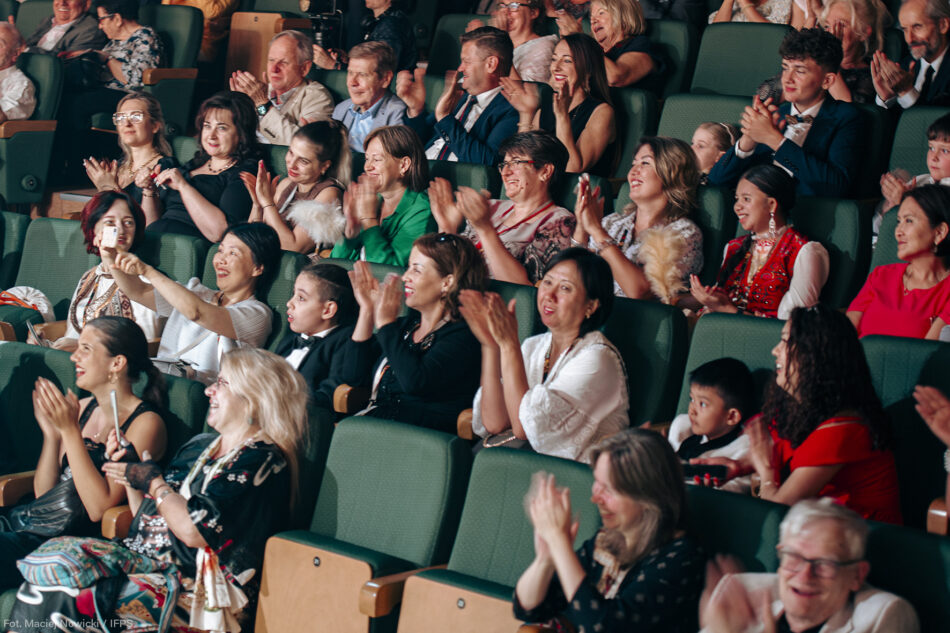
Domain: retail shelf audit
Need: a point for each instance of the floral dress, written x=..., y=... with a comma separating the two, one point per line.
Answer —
x=142, y=49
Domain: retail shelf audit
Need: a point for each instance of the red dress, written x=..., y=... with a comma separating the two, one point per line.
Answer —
x=867, y=480
x=763, y=293
x=890, y=309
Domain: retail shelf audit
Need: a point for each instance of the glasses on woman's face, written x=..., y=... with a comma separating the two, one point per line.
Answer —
x=514, y=6
x=105, y=17
x=135, y=116
x=221, y=383
x=514, y=163
x=793, y=562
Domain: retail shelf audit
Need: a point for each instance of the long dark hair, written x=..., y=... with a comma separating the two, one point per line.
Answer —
x=830, y=374
x=588, y=59
x=123, y=337
x=244, y=117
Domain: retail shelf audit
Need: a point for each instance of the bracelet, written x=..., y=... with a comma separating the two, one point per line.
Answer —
x=149, y=193
x=946, y=460
x=373, y=218
x=576, y=243
x=604, y=244
x=161, y=496
x=268, y=205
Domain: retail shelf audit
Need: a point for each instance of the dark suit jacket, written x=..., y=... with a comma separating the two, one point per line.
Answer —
x=827, y=163
x=82, y=34
x=323, y=367
x=939, y=92
x=497, y=122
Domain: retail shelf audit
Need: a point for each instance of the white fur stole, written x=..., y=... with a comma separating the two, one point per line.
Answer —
x=323, y=221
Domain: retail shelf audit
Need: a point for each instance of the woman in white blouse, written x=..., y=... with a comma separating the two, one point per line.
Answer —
x=560, y=392
x=96, y=293
x=203, y=323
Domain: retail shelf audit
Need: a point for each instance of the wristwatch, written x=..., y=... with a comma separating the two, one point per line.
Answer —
x=263, y=108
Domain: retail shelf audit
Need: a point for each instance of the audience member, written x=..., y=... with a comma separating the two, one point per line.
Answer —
x=557, y=393
x=823, y=431
x=217, y=25
x=532, y=52
x=692, y=11
x=17, y=94
x=820, y=584
x=639, y=572
x=391, y=25
x=69, y=29
x=721, y=399
x=764, y=11
x=145, y=150
x=371, y=105
x=911, y=299
x=321, y=313
x=209, y=513
x=710, y=141
x=96, y=293
x=471, y=129
x=579, y=112
x=774, y=268
x=387, y=208
x=423, y=367
x=288, y=97
x=207, y=195
x=652, y=245
x=805, y=13
x=821, y=146
x=70, y=492
x=629, y=57
x=203, y=324
x=520, y=235
x=305, y=207
x=917, y=80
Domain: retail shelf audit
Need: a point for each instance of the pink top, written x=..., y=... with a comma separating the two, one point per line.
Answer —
x=890, y=309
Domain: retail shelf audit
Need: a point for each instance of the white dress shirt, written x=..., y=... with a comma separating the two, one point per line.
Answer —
x=481, y=102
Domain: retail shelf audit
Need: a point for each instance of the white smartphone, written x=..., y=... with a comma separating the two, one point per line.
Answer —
x=110, y=236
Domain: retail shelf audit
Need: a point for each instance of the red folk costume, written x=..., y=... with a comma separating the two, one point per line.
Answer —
x=867, y=480
x=759, y=290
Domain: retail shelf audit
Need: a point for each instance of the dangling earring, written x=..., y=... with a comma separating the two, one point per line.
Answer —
x=112, y=378
x=250, y=421
x=772, y=229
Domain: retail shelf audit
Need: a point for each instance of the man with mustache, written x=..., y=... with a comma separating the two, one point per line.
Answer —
x=922, y=78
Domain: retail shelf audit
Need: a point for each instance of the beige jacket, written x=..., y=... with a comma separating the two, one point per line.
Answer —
x=309, y=101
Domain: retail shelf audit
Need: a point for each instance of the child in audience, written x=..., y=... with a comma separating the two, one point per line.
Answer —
x=710, y=141
x=895, y=183
x=321, y=314
x=721, y=398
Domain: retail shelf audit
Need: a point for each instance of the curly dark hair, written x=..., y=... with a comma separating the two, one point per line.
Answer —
x=831, y=376
x=817, y=44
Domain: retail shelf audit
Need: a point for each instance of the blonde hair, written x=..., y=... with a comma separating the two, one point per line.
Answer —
x=153, y=110
x=626, y=14
x=864, y=13
x=276, y=398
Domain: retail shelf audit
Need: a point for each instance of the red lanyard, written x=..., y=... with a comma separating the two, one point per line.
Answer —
x=501, y=232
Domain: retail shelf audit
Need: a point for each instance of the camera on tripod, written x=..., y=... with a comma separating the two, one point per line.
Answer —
x=327, y=22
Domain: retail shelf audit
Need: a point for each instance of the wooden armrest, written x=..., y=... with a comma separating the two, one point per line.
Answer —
x=463, y=425
x=116, y=522
x=153, y=347
x=9, y=128
x=324, y=253
x=6, y=332
x=349, y=400
x=14, y=486
x=663, y=428
x=937, y=517
x=152, y=76
x=379, y=596
x=52, y=330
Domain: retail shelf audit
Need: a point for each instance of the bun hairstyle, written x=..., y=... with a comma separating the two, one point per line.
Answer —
x=456, y=256
x=331, y=143
x=123, y=337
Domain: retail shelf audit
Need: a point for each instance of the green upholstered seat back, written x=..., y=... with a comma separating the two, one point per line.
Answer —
x=46, y=73
x=20, y=366
x=393, y=488
x=683, y=113
x=878, y=136
x=54, y=258
x=434, y=86
x=13, y=227
x=909, y=150
x=477, y=177
x=181, y=257
x=446, y=49
x=313, y=463
x=332, y=80
x=495, y=539
x=636, y=112
x=897, y=365
x=30, y=14
x=564, y=192
x=8, y=8
x=735, y=57
x=844, y=228
x=276, y=295
x=179, y=28
x=738, y=525
x=652, y=339
x=747, y=338
x=184, y=148
x=676, y=42
x=276, y=159
x=526, y=310
x=885, y=251
x=187, y=408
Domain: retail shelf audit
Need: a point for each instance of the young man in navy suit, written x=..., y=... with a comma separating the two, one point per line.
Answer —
x=471, y=119
x=812, y=136
x=922, y=78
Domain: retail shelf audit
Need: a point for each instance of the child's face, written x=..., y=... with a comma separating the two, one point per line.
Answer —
x=938, y=159
x=306, y=312
x=706, y=150
x=708, y=414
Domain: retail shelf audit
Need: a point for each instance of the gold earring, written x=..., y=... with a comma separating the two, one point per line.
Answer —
x=112, y=378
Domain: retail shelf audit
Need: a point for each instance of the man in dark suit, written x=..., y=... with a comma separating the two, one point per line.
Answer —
x=813, y=137
x=472, y=119
x=321, y=314
x=921, y=78
x=69, y=29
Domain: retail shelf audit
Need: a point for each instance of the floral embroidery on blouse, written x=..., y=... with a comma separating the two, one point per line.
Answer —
x=142, y=50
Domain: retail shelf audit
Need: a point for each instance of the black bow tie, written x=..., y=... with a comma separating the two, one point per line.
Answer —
x=301, y=341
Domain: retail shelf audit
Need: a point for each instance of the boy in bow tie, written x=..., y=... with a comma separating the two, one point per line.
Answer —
x=812, y=136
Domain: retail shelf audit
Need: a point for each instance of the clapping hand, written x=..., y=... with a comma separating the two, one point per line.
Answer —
x=365, y=286
x=889, y=79
x=243, y=81
x=55, y=411
x=761, y=123
x=411, y=88
x=523, y=96
x=442, y=203
x=104, y=174
x=550, y=511
x=474, y=309
x=726, y=606
x=474, y=207
x=451, y=93
x=713, y=298
x=589, y=207
x=934, y=408
x=360, y=205
x=502, y=322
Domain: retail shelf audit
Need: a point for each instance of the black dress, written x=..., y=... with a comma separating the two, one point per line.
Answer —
x=57, y=512
x=579, y=119
x=165, y=162
x=641, y=44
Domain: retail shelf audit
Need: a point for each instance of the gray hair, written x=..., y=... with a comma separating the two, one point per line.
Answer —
x=853, y=527
x=936, y=9
x=303, y=42
x=18, y=42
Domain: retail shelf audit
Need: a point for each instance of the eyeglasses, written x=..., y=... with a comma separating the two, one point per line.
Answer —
x=105, y=17
x=514, y=163
x=135, y=116
x=793, y=562
x=514, y=6
x=221, y=383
